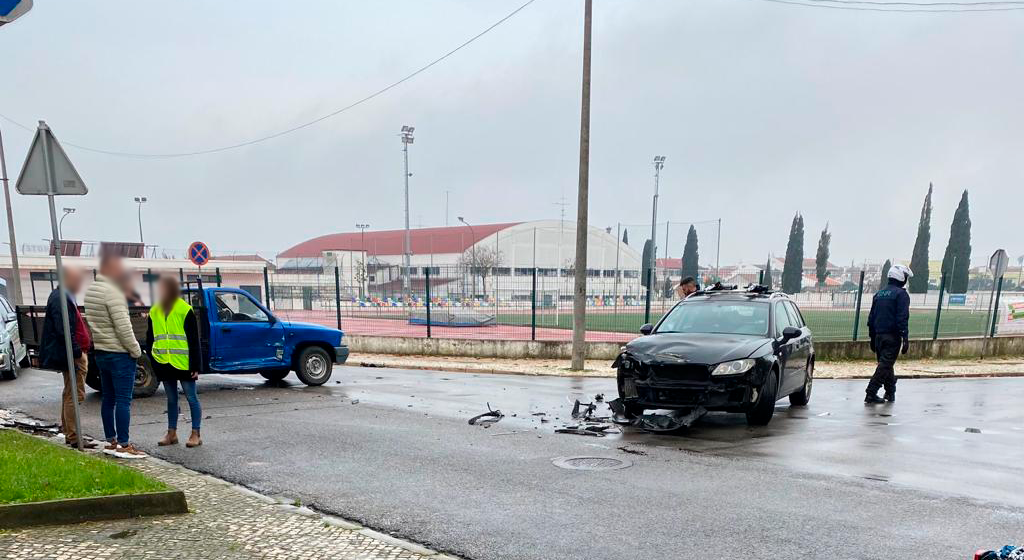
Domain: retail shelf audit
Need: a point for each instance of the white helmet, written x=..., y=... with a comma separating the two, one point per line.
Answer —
x=900, y=273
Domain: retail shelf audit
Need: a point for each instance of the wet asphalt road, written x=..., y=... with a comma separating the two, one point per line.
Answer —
x=833, y=480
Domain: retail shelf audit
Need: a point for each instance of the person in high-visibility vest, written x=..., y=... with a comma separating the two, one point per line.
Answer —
x=173, y=346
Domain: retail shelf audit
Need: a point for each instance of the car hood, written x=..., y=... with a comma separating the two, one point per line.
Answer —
x=327, y=334
x=695, y=348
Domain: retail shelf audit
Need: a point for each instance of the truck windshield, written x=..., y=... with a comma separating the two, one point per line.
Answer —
x=719, y=317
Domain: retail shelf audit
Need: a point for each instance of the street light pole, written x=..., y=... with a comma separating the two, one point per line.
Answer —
x=579, y=303
x=60, y=224
x=362, y=248
x=140, y=200
x=15, y=269
x=407, y=139
x=659, y=163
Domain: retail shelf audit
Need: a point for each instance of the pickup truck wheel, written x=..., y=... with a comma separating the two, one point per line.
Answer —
x=146, y=382
x=314, y=366
x=762, y=412
x=275, y=375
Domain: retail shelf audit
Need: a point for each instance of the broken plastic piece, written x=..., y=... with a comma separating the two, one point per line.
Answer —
x=671, y=422
x=487, y=418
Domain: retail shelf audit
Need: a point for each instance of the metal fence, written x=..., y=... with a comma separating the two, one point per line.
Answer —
x=536, y=304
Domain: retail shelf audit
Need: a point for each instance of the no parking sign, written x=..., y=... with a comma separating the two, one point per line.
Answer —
x=198, y=253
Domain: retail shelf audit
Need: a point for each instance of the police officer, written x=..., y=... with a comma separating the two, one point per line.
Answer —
x=889, y=332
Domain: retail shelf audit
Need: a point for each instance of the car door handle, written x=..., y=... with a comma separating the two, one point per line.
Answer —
x=225, y=329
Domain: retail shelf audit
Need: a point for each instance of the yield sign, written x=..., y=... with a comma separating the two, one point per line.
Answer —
x=47, y=169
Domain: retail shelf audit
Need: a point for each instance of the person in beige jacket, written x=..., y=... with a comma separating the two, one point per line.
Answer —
x=116, y=351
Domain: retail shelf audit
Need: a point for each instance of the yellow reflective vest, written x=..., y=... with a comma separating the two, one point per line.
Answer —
x=170, y=346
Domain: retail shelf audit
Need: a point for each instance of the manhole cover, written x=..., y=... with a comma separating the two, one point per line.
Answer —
x=591, y=463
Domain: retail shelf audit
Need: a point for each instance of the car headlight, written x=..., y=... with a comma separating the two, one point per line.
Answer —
x=733, y=368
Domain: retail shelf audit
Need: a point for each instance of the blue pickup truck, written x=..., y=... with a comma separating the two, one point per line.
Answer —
x=238, y=335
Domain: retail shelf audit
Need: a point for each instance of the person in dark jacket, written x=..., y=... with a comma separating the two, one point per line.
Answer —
x=888, y=329
x=53, y=353
x=172, y=342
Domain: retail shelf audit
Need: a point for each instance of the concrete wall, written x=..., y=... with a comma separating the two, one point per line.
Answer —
x=515, y=349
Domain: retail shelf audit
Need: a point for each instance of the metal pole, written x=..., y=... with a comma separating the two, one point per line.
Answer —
x=407, y=252
x=217, y=271
x=579, y=309
x=938, y=310
x=649, y=281
x=51, y=182
x=427, y=293
x=718, y=253
x=266, y=288
x=995, y=307
x=149, y=280
x=860, y=299
x=15, y=269
x=141, y=239
x=337, y=294
x=618, y=246
x=533, y=307
x=181, y=275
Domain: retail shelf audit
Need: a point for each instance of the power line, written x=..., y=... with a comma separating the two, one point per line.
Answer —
x=861, y=8
x=299, y=126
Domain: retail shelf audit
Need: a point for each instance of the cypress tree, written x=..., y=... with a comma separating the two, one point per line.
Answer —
x=956, y=263
x=768, y=273
x=625, y=236
x=919, y=259
x=792, y=270
x=690, y=266
x=821, y=258
x=885, y=274
x=645, y=267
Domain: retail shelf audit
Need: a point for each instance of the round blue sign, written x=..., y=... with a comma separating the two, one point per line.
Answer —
x=198, y=253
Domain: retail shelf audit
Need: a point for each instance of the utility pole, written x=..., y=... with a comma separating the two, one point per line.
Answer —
x=579, y=304
x=407, y=139
x=15, y=269
x=140, y=200
x=446, y=208
x=474, y=263
x=659, y=163
x=60, y=224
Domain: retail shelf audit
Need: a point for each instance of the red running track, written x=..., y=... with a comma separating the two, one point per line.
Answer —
x=401, y=327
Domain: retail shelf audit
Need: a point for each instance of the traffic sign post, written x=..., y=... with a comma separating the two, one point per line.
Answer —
x=199, y=254
x=997, y=264
x=48, y=171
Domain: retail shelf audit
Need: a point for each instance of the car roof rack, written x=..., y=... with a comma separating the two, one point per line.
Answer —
x=751, y=290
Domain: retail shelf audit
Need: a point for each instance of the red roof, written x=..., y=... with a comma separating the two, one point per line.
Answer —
x=425, y=241
x=669, y=263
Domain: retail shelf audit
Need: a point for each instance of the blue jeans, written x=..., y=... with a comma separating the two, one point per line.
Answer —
x=194, y=410
x=117, y=380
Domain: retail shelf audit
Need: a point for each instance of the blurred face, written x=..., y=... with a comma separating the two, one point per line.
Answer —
x=165, y=289
x=684, y=290
x=72, y=280
x=113, y=268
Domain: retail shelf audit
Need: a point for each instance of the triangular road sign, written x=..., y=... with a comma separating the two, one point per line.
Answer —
x=33, y=178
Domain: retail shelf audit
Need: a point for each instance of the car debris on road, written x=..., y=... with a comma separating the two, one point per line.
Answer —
x=486, y=419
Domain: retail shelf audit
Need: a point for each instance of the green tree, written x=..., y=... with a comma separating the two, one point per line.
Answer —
x=919, y=259
x=625, y=236
x=885, y=274
x=956, y=263
x=645, y=266
x=821, y=257
x=793, y=269
x=768, y=280
x=690, y=266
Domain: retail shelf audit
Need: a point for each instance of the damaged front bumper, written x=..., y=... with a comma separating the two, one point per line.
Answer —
x=687, y=386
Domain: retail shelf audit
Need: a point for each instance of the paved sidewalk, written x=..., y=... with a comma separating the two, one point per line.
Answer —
x=226, y=522
x=992, y=367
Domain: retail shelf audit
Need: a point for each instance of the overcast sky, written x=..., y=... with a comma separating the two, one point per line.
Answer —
x=762, y=110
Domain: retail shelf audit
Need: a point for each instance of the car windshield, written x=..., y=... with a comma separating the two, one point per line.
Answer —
x=717, y=317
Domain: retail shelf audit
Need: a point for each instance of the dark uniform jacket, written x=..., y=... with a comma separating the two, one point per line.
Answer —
x=52, y=354
x=890, y=312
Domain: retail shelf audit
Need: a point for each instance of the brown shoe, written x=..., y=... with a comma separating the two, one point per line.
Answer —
x=129, y=452
x=170, y=439
x=194, y=440
x=110, y=446
x=85, y=444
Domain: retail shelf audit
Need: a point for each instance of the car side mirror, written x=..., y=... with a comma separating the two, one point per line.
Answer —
x=646, y=329
x=789, y=333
